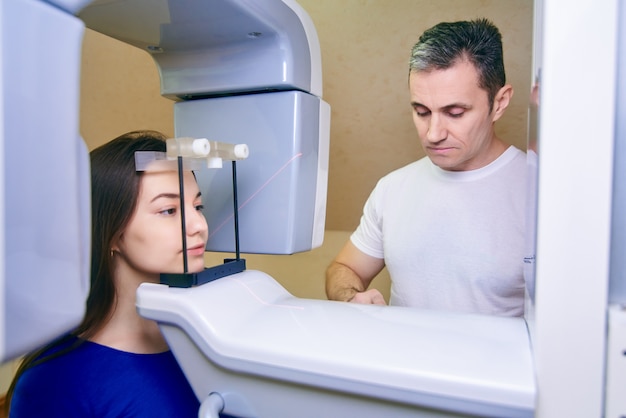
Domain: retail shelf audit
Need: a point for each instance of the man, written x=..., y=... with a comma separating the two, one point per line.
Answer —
x=449, y=227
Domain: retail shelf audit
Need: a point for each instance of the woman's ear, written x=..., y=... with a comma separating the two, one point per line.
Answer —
x=115, y=243
x=501, y=101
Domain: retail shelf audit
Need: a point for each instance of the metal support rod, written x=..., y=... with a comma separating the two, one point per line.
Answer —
x=236, y=210
x=181, y=188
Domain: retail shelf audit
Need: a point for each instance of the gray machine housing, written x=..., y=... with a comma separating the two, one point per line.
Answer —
x=281, y=186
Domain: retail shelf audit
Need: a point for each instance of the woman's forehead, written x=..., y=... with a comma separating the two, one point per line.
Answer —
x=153, y=184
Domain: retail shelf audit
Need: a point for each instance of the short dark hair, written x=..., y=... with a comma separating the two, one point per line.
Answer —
x=478, y=41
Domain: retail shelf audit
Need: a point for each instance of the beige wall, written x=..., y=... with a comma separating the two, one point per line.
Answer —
x=365, y=47
x=120, y=91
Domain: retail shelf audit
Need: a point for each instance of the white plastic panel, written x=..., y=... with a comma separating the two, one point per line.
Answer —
x=574, y=207
x=213, y=47
x=617, y=284
x=3, y=312
x=244, y=333
x=45, y=192
x=281, y=185
x=615, y=406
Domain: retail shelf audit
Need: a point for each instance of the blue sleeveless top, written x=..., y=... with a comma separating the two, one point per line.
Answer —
x=93, y=380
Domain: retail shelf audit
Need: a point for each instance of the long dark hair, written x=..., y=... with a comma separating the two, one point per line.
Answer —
x=114, y=191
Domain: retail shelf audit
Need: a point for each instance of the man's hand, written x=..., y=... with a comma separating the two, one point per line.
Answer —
x=369, y=297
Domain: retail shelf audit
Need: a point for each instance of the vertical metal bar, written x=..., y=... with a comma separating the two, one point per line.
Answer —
x=235, y=209
x=181, y=188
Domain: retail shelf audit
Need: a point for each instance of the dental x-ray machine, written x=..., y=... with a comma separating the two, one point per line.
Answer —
x=240, y=71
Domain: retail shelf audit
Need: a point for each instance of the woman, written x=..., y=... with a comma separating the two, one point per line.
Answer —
x=117, y=363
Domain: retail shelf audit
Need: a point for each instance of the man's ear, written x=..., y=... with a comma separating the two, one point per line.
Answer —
x=501, y=101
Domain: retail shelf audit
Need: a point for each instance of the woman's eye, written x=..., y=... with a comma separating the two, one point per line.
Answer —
x=199, y=207
x=169, y=211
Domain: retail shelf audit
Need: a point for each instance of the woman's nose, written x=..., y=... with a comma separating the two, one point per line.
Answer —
x=195, y=221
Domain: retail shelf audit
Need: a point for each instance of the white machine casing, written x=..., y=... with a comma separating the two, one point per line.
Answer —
x=268, y=353
x=281, y=186
x=44, y=176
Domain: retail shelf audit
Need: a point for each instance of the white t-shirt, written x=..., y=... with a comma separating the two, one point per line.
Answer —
x=451, y=240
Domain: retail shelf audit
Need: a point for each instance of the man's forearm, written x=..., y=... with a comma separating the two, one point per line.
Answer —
x=342, y=283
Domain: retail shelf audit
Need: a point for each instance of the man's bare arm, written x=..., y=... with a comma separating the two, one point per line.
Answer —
x=350, y=274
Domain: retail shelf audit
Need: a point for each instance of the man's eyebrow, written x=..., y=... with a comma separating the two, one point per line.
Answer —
x=457, y=106
x=446, y=107
x=171, y=196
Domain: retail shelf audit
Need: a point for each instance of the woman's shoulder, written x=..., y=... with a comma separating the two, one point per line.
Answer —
x=48, y=386
x=96, y=380
x=54, y=368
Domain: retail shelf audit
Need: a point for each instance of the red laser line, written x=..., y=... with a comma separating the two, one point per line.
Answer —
x=228, y=218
